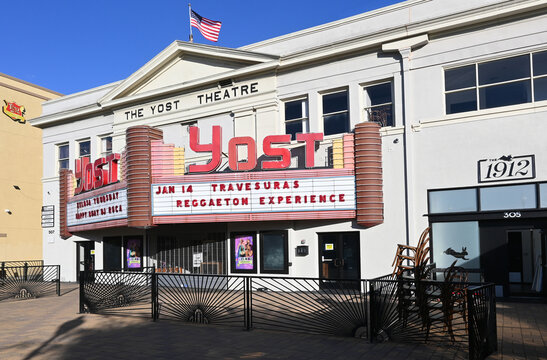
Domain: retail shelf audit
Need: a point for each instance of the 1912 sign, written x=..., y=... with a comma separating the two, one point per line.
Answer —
x=507, y=168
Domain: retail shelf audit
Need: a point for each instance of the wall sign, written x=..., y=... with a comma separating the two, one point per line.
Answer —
x=507, y=168
x=259, y=196
x=48, y=216
x=104, y=207
x=14, y=111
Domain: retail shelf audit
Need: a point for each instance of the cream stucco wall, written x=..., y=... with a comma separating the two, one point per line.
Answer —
x=21, y=158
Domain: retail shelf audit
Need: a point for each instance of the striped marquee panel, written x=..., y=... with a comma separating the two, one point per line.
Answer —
x=98, y=208
x=324, y=195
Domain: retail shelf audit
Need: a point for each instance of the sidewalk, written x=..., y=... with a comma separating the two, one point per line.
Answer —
x=51, y=328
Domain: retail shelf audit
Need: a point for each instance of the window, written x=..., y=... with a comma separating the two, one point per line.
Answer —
x=296, y=117
x=106, y=145
x=456, y=241
x=274, y=256
x=335, y=113
x=451, y=201
x=379, y=104
x=84, y=149
x=63, y=156
x=508, y=197
x=510, y=81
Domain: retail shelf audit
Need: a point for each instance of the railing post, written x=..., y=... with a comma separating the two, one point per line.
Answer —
x=82, y=294
x=248, y=303
x=58, y=280
x=370, y=310
x=154, y=294
x=25, y=272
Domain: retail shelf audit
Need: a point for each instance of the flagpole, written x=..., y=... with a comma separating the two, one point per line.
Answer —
x=190, y=19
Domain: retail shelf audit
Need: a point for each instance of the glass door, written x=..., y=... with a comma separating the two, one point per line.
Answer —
x=339, y=260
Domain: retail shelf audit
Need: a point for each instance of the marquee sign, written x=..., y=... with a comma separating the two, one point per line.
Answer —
x=257, y=196
x=103, y=207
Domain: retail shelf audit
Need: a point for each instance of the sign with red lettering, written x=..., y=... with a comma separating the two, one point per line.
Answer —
x=14, y=111
x=101, y=172
x=257, y=196
x=104, y=207
x=281, y=157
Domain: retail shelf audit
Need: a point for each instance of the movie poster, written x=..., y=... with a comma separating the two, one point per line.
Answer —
x=244, y=252
x=133, y=254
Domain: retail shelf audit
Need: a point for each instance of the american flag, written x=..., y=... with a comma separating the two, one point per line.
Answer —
x=208, y=28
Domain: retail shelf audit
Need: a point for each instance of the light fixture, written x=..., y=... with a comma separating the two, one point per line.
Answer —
x=8, y=211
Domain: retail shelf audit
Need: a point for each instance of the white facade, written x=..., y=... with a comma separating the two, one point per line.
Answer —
x=411, y=46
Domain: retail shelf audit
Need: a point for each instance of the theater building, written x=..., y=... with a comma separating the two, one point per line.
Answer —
x=313, y=154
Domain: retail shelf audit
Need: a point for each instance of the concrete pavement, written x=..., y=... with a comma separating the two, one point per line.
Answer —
x=51, y=328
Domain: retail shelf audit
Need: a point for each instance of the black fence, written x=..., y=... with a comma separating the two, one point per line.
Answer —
x=4, y=264
x=455, y=314
x=26, y=281
x=382, y=309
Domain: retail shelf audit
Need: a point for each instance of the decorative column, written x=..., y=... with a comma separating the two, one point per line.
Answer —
x=66, y=190
x=368, y=174
x=139, y=174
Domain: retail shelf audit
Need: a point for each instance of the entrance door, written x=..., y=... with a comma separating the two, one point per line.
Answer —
x=85, y=253
x=525, y=259
x=339, y=259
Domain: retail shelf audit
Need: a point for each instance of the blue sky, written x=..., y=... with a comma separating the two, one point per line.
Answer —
x=73, y=45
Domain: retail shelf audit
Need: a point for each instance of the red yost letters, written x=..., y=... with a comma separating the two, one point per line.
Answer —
x=91, y=176
x=215, y=148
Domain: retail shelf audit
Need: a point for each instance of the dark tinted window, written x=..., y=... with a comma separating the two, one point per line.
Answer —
x=335, y=102
x=336, y=124
x=540, y=89
x=379, y=94
x=63, y=152
x=293, y=110
x=540, y=63
x=293, y=128
x=461, y=101
x=506, y=94
x=85, y=148
x=517, y=67
x=460, y=78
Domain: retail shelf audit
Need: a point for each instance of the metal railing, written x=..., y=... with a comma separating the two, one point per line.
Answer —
x=388, y=308
x=482, y=321
x=456, y=314
x=26, y=282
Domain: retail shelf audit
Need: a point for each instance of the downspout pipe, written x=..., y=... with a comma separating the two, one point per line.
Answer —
x=404, y=48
